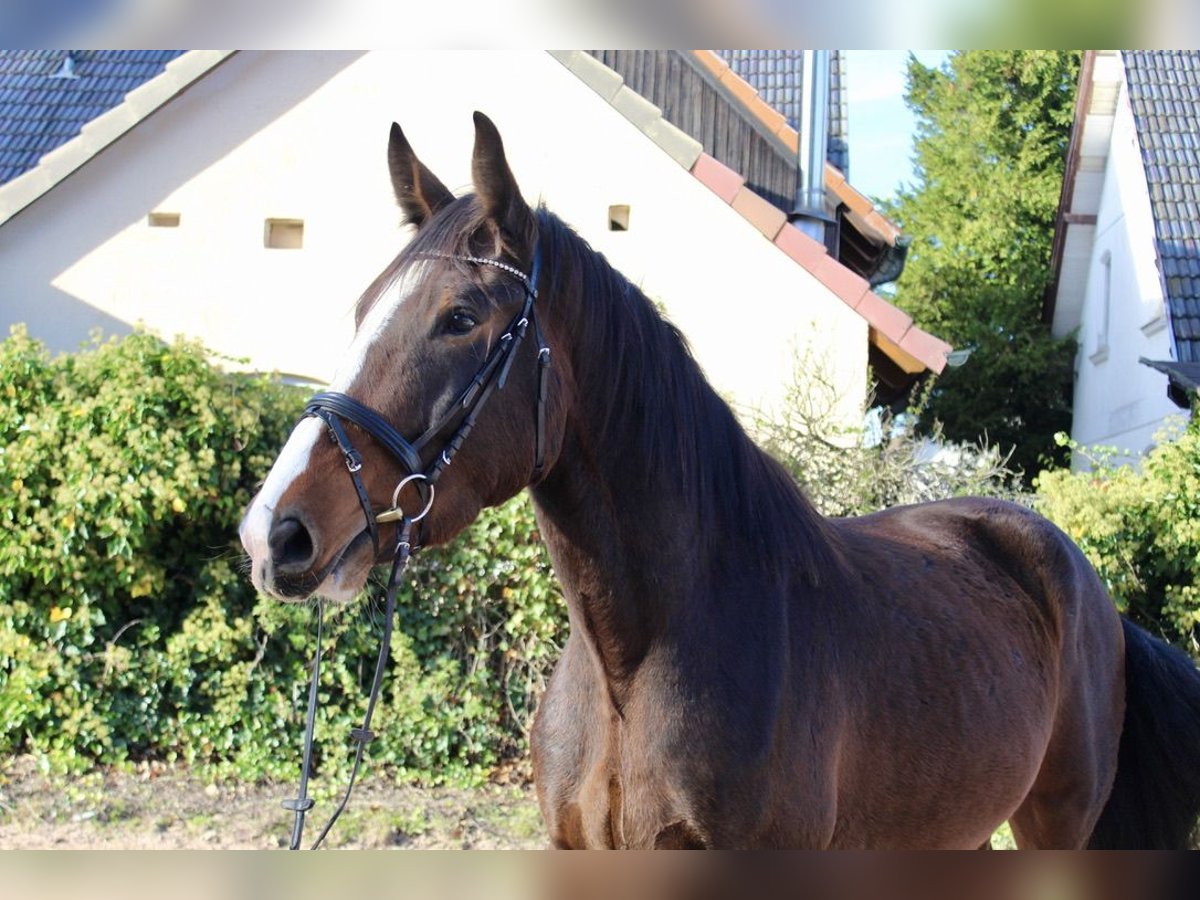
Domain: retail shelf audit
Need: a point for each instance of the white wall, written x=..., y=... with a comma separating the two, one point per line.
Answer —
x=303, y=135
x=1118, y=401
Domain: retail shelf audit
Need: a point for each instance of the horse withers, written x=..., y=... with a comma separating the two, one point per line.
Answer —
x=740, y=672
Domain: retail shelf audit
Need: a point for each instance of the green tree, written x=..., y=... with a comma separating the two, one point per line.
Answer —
x=993, y=128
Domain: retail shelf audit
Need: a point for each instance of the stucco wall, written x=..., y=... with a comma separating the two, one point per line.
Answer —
x=1118, y=401
x=303, y=136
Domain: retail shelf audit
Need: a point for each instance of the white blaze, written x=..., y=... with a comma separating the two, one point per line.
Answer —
x=293, y=459
x=256, y=526
x=375, y=325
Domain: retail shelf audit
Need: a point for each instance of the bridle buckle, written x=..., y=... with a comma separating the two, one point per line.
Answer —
x=395, y=514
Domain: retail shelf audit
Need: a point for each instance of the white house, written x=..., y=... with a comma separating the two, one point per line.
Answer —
x=243, y=199
x=1127, y=246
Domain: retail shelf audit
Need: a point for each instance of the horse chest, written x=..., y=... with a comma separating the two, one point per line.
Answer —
x=602, y=780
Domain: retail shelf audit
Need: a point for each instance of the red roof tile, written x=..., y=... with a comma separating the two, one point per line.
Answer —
x=800, y=247
x=887, y=319
x=842, y=281
x=718, y=177
x=763, y=215
x=928, y=349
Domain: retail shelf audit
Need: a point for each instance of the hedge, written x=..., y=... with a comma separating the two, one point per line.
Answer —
x=129, y=630
x=1140, y=527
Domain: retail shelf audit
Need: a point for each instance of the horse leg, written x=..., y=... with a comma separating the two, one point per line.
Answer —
x=1077, y=771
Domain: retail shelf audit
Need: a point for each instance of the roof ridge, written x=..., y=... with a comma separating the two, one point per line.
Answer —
x=100, y=132
x=916, y=348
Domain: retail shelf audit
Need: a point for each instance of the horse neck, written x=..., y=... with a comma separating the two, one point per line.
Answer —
x=657, y=492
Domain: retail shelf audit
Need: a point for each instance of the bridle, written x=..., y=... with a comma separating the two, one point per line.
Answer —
x=334, y=407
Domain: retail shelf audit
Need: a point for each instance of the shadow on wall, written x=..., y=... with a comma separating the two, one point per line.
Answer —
x=87, y=210
x=64, y=323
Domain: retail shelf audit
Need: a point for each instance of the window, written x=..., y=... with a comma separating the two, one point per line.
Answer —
x=163, y=220
x=618, y=218
x=284, y=234
x=1100, y=353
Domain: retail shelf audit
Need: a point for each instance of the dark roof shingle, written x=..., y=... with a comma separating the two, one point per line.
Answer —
x=39, y=112
x=1164, y=92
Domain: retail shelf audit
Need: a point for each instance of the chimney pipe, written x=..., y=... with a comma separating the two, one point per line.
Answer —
x=809, y=213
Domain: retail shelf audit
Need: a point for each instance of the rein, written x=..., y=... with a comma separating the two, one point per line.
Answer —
x=332, y=408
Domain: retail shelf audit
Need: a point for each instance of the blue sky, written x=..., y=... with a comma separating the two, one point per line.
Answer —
x=881, y=126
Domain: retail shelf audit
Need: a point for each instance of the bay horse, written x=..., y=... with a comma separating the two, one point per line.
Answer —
x=739, y=672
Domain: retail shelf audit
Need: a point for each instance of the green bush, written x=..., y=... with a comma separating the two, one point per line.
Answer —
x=1140, y=528
x=127, y=629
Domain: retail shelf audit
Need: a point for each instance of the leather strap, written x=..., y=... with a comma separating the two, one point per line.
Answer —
x=369, y=421
x=363, y=734
x=354, y=467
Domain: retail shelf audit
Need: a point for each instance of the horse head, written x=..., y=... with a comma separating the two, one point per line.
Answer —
x=438, y=331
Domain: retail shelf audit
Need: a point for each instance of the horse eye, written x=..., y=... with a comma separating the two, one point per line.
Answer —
x=461, y=322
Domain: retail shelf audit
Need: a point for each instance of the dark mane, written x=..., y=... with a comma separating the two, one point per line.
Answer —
x=680, y=432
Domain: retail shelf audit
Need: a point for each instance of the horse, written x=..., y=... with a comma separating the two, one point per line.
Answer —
x=740, y=671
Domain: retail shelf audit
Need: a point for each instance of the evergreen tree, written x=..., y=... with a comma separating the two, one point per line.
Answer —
x=993, y=128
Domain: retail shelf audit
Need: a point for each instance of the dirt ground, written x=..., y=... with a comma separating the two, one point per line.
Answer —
x=154, y=807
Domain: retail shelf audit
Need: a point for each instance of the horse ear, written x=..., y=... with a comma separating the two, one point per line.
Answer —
x=495, y=185
x=418, y=190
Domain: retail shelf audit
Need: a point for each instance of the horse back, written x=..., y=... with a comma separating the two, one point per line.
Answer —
x=974, y=632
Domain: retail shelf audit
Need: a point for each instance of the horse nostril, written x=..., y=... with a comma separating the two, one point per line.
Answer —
x=292, y=548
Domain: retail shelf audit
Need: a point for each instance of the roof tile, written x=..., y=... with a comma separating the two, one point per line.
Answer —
x=717, y=177
x=764, y=216
x=842, y=281
x=800, y=247
x=927, y=348
x=1164, y=91
x=887, y=319
x=743, y=90
x=39, y=113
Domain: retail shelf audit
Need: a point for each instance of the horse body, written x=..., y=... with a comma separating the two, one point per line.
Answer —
x=740, y=672
x=906, y=696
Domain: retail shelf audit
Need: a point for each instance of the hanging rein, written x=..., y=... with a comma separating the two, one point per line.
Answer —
x=332, y=408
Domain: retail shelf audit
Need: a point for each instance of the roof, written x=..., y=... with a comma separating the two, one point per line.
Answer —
x=118, y=76
x=39, y=111
x=777, y=76
x=907, y=347
x=1164, y=92
x=866, y=215
x=839, y=113
x=1184, y=378
x=699, y=93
